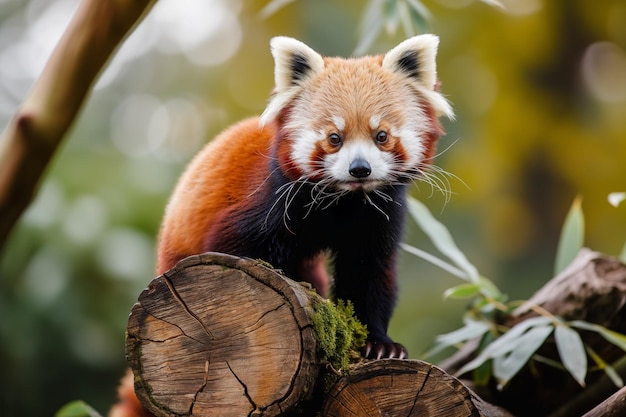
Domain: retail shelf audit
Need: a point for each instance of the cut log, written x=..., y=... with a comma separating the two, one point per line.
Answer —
x=219, y=335
x=224, y=336
x=404, y=388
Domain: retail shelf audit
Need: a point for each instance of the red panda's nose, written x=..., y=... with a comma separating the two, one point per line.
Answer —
x=360, y=168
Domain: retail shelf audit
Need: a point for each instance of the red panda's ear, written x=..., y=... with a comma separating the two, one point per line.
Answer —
x=415, y=58
x=294, y=62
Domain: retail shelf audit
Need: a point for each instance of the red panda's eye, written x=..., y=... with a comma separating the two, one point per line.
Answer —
x=334, y=139
x=381, y=137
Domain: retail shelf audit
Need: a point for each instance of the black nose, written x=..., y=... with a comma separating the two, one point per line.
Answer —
x=360, y=168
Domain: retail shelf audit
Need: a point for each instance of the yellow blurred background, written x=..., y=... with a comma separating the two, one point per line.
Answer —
x=539, y=90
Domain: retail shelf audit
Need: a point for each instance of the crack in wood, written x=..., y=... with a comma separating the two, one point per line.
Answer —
x=420, y=390
x=266, y=313
x=202, y=387
x=245, y=389
x=182, y=332
x=178, y=298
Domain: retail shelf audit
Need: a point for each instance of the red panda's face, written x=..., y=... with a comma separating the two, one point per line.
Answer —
x=356, y=124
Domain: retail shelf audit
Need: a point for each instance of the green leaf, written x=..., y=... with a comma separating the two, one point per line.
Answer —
x=482, y=374
x=616, y=338
x=405, y=19
x=507, y=366
x=391, y=14
x=273, y=6
x=572, y=352
x=77, y=409
x=371, y=25
x=441, y=238
x=488, y=288
x=572, y=236
x=434, y=260
x=622, y=256
x=420, y=13
x=506, y=343
x=608, y=369
x=461, y=291
x=471, y=330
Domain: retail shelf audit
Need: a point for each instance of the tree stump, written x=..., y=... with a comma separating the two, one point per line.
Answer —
x=404, y=388
x=219, y=335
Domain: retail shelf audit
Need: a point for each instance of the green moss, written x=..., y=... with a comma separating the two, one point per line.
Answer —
x=339, y=333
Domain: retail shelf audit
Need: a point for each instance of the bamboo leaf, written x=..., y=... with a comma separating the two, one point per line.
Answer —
x=572, y=352
x=489, y=289
x=506, y=343
x=420, y=10
x=434, y=260
x=404, y=13
x=507, y=366
x=471, y=330
x=572, y=236
x=370, y=26
x=482, y=374
x=391, y=13
x=616, y=338
x=273, y=6
x=441, y=238
x=461, y=291
x=77, y=409
x=608, y=369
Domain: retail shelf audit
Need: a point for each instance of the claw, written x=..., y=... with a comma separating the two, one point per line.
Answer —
x=383, y=350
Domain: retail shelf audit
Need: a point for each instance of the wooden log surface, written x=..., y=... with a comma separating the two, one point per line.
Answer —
x=219, y=335
x=224, y=336
x=404, y=388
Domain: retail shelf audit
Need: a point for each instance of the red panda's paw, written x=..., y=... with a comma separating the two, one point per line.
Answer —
x=384, y=350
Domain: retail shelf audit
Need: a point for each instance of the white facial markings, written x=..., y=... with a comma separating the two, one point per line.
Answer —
x=374, y=121
x=339, y=163
x=339, y=122
x=410, y=134
x=304, y=141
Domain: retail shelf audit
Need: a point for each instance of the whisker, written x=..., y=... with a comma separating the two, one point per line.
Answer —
x=438, y=154
x=369, y=200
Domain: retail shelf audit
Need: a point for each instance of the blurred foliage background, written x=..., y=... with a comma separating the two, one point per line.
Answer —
x=539, y=89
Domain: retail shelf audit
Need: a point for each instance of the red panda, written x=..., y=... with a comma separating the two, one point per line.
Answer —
x=321, y=176
x=324, y=170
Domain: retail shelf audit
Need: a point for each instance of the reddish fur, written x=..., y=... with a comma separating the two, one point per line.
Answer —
x=128, y=404
x=223, y=176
